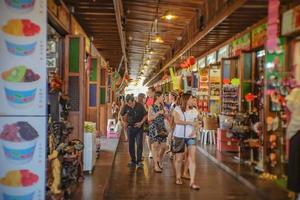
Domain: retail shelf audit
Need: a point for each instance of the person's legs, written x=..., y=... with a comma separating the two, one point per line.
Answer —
x=149, y=146
x=162, y=150
x=131, y=144
x=125, y=131
x=178, y=164
x=186, y=165
x=192, y=162
x=139, y=142
x=154, y=147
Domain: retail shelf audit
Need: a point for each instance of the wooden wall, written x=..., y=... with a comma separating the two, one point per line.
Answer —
x=75, y=82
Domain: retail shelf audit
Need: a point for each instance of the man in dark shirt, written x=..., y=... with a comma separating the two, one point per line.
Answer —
x=136, y=116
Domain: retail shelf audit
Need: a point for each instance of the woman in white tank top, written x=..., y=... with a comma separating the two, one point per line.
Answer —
x=185, y=133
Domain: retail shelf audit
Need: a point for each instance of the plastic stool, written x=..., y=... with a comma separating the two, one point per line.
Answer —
x=208, y=136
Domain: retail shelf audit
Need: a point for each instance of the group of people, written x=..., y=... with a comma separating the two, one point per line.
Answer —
x=170, y=123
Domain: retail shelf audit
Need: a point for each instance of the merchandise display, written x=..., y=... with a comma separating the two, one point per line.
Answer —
x=230, y=99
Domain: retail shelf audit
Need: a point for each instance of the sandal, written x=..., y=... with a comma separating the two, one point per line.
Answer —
x=157, y=170
x=179, y=181
x=194, y=187
x=159, y=165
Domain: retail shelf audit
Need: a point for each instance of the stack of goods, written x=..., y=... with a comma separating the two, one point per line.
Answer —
x=89, y=127
x=230, y=99
x=204, y=91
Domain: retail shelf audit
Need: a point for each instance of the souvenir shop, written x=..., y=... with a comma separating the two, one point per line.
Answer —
x=78, y=91
x=243, y=88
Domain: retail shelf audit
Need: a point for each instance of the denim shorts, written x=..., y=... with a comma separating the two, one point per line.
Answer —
x=190, y=141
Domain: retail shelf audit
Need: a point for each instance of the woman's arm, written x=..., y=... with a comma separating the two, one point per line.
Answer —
x=178, y=121
x=152, y=115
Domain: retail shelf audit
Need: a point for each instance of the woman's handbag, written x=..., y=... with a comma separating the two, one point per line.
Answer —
x=177, y=144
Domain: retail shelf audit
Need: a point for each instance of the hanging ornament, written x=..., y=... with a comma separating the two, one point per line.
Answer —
x=226, y=81
x=235, y=82
x=249, y=97
x=191, y=60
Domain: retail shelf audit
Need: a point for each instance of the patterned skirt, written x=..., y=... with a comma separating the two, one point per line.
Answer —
x=153, y=134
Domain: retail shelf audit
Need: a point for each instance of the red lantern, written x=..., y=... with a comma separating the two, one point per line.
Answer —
x=184, y=65
x=191, y=60
x=226, y=81
x=249, y=97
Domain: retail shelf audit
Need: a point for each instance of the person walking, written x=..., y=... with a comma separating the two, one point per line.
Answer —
x=173, y=96
x=123, y=119
x=149, y=103
x=193, y=108
x=157, y=131
x=136, y=117
x=185, y=133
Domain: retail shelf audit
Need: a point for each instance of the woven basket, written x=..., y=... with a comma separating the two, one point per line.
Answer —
x=210, y=123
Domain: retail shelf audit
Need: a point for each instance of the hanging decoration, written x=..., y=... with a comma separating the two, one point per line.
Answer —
x=188, y=62
x=235, y=82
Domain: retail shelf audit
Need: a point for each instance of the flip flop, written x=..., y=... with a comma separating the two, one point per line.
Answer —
x=194, y=187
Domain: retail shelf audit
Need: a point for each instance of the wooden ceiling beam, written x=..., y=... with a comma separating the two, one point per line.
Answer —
x=119, y=12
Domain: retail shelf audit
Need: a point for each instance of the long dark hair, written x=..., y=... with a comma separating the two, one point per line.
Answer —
x=182, y=102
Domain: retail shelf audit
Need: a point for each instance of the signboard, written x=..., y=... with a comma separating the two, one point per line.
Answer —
x=242, y=43
x=259, y=36
x=223, y=53
x=291, y=19
x=211, y=58
x=23, y=117
x=201, y=62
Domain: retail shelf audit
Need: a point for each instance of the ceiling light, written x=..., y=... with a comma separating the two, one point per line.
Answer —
x=145, y=65
x=130, y=38
x=158, y=39
x=169, y=16
x=148, y=61
x=151, y=51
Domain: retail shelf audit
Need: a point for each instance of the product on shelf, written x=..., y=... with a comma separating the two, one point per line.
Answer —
x=21, y=36
x=230, y=99
x=19, y=142
x=89, y=127
x=20, y=85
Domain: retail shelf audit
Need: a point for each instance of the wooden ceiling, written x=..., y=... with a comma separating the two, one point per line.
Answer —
x=97, y=17
x=140, y=29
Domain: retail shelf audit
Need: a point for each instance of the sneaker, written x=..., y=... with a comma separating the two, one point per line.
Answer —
x=140, y=165
x=150, y=155
x=131, y=164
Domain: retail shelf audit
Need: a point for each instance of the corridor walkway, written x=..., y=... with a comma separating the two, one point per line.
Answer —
x=143, y=184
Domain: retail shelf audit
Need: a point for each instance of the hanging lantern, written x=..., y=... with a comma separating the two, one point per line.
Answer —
x=249, y=97
x=191, y=60
x=226, y=81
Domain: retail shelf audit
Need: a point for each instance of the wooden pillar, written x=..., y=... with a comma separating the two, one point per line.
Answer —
x=75, y=85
